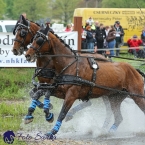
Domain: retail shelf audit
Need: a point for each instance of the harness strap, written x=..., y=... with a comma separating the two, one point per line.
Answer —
x=95, y=67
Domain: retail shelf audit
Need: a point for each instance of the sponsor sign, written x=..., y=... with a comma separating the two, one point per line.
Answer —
x=8, y=59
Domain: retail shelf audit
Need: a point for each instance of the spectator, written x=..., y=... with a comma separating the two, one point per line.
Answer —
x=90, y=21
x=68, y=28
x=87, y=24
x=143, y=38
x=72, y=26
x=89, y=38
x=97, y=24
x=93, y=28
x=134, y=43
x=106, y=31
x=84, y=42
x=95, y=42
x=100, y=36
x=47, y=23
x=119, y=36
x=111, y=39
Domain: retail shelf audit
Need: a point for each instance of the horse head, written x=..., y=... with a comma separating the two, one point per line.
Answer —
x=40, y=44
x=24, y=32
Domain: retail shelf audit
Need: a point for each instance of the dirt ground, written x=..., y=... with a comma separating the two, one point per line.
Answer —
x=137, y=139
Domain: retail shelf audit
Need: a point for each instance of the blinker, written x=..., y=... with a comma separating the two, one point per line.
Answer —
x=23, y=33
x=39, y=41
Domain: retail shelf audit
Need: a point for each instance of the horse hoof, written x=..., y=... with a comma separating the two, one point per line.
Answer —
x=51, y=106
x=50, y=118
x=28, y=119
x=50, y=136
x=68, y=117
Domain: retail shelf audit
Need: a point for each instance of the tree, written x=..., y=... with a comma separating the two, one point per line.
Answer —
x=63, y=9
x=34, y=9
x=9, y=9
x=2, y=9
x=122, y=3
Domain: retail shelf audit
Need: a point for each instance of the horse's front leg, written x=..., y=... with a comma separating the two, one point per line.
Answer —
x=49, y=116
x=68, y=102
x=34, y=103
x=31, y=93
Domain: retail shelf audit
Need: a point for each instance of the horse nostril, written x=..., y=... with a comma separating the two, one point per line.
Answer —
x=28, y=58
x=15, y=52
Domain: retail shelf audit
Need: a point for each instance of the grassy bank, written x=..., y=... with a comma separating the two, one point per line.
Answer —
x=14, y=82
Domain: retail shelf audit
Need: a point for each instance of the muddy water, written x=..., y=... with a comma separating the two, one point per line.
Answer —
x=86, y=126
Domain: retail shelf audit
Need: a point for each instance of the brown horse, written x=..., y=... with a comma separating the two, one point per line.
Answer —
x=25, y=31
x=75, y=77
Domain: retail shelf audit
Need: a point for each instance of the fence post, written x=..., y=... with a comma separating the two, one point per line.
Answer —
x=78, y=28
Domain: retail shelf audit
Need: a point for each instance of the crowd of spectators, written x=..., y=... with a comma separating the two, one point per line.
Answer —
x=107, y=40
x=96, y=37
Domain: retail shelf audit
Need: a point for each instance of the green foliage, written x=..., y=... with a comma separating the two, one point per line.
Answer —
x=2, y=8
x=63, y=9
x=14, y=82
x=35, y=9
x=9, y=8
x=123, y=3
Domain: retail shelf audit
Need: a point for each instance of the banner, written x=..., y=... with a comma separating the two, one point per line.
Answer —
x=8, y=59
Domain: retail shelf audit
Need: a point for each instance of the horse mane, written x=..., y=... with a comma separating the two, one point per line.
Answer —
x=63, y=41
x=35, y=23
x=43, y=30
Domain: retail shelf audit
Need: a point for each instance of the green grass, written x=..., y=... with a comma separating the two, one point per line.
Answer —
x=14, y=81
x=13, y=109
x=136, y=64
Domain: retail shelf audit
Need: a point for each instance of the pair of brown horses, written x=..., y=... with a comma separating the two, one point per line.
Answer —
x=120, y=76
x=25, y=31
x=112, y=79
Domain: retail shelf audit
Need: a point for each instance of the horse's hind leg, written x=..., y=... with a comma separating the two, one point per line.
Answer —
x=115, y=101
x=77, y=108
x=140, y=102
x=108, y=111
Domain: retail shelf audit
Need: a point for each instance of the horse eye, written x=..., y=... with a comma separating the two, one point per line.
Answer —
x=23, y=33
x=39, y=41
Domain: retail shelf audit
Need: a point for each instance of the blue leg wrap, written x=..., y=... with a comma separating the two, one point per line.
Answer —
x=28, y=117
x=51, y=135
x=113, y=128
x=57, y=126
x=39, y=104
x=33, y=104
x=49, y=117
x=46, y=103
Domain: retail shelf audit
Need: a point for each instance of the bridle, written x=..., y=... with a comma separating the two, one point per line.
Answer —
x=24, y=30
x=40, y=39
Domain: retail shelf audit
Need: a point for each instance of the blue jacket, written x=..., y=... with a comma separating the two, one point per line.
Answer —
x=89, y=37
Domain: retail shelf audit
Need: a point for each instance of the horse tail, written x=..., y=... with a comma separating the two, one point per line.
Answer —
x=143, y=75
x=140, y=72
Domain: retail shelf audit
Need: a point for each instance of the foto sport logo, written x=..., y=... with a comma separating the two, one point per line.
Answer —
x=8, y=137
